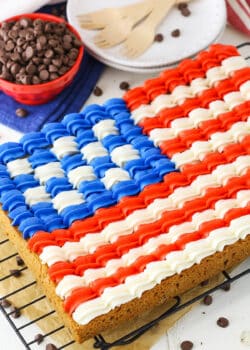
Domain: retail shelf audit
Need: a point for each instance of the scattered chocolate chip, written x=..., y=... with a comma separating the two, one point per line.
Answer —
x=124, y=85
x=182, y=5
x=159, y=37
x=5, y=303
x=222, y=322
x=21, y=112
x=39, y=338
x=51, y=347
x=175, y=33
x=204, y=283
x=208, y=300
x=226, y=287
x=16, y=312
x=187, y=345
x=185, y=12
x=97, y=91
x=15, y=273
x=19, y=261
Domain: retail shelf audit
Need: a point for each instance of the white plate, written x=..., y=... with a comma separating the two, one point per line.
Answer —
x=199, y=30
x=142, y=70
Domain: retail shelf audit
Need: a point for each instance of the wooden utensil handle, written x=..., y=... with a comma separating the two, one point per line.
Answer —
x=161, y=8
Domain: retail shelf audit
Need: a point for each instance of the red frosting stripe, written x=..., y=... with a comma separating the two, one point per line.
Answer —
x=183, y=74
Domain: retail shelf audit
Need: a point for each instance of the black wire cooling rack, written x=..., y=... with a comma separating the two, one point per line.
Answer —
x=99, y=341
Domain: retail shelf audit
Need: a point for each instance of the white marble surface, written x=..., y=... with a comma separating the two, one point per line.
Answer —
x=196, y=326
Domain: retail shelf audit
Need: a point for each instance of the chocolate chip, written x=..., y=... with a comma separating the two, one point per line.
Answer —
x=51, y=347
x=185, y=12
x=124, y=85
x=36, y=80
x=97, y=91
x=19, y=261
x=49, y=53
x=42, y=40
x=15, y=273
x=31, y=69
x=29, y=52
x=52, y=68
x=187, y=345
x=9, y=45
x=226, y=287
x=182, y=5
x=5, y=303
x=67, y=45
x=222, y=322
x=13, y=34
x=53, y=76
x=21, y=112
x=15, y=68
x=36, y=60
x=16, y=312
x=175, y=33
x=44, y=75
x=25, y=79
x=208, y=300
x=15, y=57
x=25, y=22
x=57, y=62
x=39, y=338
x=204, y=283
x=159, y=37
x=47, y=61
x=67, y=38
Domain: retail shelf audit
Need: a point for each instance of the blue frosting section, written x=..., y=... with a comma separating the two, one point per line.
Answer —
x=33, y=141
x=10, y=151
x=149, y=167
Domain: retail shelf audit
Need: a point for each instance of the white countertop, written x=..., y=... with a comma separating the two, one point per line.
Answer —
x=196, y=326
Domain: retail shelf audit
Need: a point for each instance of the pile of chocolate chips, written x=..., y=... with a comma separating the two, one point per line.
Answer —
x=36, y=51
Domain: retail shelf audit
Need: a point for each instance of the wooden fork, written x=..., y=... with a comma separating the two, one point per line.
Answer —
x=142, y=36
x=102, y=18
x=116, y=32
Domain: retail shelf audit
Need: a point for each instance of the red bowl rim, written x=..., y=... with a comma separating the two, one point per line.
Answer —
x=51, y=18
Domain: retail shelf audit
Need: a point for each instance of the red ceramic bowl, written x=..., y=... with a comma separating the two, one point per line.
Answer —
x=42, y=93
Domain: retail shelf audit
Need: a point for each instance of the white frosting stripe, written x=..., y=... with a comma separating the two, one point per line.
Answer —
x=112, y=231
x=81, y=173
x=45, y=172
x=217, y=142
x=64, y=146
x=113, y=176
x=93, y=150
x=67, y=198
x=155, y=272
x=121, y=155
x=36, y=195
x=180, y=93
x=19, y=167
x=104, y=128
